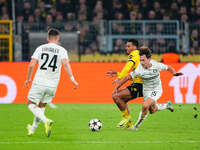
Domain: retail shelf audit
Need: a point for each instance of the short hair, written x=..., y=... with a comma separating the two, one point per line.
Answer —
x=145, y=51
x=134, y=42
x=52, y=32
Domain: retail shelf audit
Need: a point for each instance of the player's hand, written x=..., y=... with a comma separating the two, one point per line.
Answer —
x=115, y=81
x=111, y=73
x=75, y=84
x=115, y=91
x=27, y=82
x=178, y=74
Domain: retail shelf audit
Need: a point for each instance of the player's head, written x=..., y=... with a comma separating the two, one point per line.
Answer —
x=53, y=35
x=131, y=45
x=145, y=56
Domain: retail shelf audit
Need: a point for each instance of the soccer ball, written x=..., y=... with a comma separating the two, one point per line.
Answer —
x=95, y=125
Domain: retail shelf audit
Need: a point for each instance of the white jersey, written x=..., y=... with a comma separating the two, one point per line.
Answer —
x=50, y=58
x=150, y=77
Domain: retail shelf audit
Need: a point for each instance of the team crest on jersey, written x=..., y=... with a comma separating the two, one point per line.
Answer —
x=131, y=56
x=155, y=70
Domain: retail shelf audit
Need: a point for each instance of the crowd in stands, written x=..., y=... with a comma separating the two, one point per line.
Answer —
x=68, y=11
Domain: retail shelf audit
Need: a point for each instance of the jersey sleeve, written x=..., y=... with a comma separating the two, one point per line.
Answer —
x=64, y=55
x=132, y=58
x=129, y=65
x=162, y=66
x=36, y=54
x=125, y=70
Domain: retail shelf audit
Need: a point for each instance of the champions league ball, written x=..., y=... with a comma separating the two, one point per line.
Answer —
x=95, y=125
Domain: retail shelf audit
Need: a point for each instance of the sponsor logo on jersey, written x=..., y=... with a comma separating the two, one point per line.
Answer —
x=131, y=56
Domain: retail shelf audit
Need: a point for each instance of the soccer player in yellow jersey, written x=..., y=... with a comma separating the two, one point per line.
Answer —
x=132, y=91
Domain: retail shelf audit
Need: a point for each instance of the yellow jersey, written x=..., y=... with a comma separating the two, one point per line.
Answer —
x=132, y=63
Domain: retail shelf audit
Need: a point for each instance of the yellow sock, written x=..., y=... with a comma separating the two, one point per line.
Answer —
x=125, y=114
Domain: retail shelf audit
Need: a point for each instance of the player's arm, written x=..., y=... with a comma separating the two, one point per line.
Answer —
x=30, y=71
x=111, y=73
x=68, y=69
x=162, y=66
x=172, y=70
x=131, y=75
x=125, y=71
x=122, y=82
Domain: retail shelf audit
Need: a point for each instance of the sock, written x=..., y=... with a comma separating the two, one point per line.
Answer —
x=52, y=105
x=125, y=114
x=140, y=120
x=161, y=106
x=43, y=109
x=37, y=112
x=36, y=120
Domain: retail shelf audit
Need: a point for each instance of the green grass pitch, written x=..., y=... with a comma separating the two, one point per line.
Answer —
x=162, y=131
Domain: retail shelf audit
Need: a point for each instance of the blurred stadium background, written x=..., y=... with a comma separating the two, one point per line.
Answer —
x=96, y=30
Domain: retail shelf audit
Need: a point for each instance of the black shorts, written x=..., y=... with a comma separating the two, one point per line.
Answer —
x=135, y=90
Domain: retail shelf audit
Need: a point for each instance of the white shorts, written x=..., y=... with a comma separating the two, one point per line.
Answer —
x=39, y=93
x=154, y=94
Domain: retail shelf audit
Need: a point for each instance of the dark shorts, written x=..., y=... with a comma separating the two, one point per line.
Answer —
x=135, y=90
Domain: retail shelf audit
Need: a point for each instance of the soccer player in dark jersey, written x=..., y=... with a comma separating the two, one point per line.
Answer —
x=132, y=91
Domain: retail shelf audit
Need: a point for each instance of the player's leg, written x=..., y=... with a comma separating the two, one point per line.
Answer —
x=165, y=106
x=36, y=120
x=37, y=111
x=121, y=98
x=150, y=98
x=52, y=105
x=153, y=108
x=47, y=98
x=38, y=116
x=159, y=107
x=136, y=90
x=49, y=123
x=34, y=96
x=142, y=115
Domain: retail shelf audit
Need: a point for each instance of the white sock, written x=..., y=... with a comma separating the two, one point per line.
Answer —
x=43, y=109
x=161, y=106
x=140, y=120
x=52, y=105
x=36, y=120
x=37, y=112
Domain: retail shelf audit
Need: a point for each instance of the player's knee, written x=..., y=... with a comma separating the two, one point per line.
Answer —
x=145, y=107
x=152, y=111
x=41, y=105
x=115, y=97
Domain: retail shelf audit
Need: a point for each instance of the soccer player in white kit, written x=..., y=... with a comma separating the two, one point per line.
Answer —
x=50, y=58
x=149, y=71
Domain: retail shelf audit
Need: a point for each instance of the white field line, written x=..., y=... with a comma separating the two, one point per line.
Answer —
x=98, y=142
